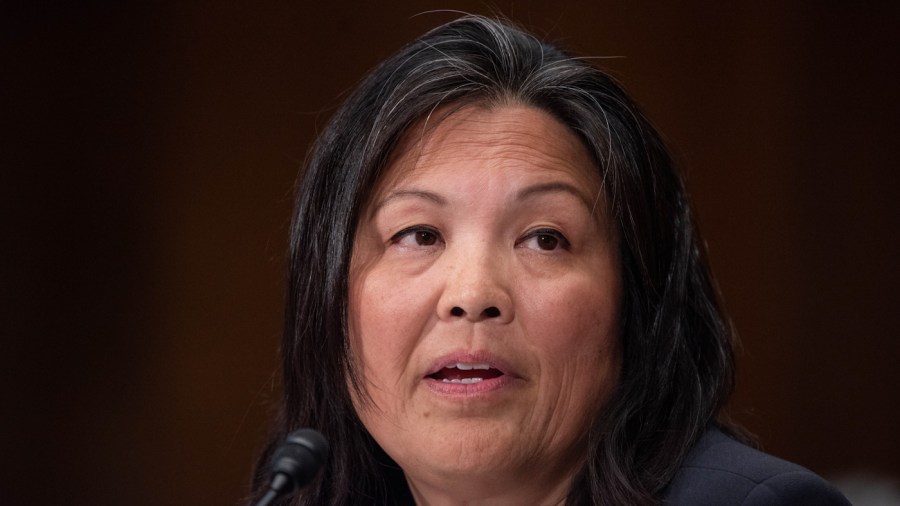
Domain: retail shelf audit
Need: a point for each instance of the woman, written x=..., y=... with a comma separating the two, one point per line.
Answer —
x=497, y=295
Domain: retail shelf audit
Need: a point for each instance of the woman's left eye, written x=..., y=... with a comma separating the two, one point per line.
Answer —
x=545, y=239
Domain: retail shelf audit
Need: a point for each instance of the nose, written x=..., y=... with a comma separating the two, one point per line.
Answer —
x=476, y=290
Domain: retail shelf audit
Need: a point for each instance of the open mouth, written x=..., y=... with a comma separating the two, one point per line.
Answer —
x=465, y=373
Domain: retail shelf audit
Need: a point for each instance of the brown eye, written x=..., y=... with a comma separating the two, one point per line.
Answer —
x=547, y=242
x=418, y=236
x=425, y=238
x=545, y=239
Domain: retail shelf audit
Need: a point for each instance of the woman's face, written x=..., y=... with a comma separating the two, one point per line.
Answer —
x=485, y=294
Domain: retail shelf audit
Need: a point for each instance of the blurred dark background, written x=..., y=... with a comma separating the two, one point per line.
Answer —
x=147, y=159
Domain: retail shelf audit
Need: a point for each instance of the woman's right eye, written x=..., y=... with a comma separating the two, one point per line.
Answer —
x=417, y=236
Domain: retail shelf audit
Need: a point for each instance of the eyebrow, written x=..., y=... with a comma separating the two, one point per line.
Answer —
x=554, y=187
x=400, y=194
x=523, y=194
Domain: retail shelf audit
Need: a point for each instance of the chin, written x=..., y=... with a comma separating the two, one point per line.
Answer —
x=464, y=447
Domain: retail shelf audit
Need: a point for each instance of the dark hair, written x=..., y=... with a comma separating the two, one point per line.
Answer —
x=677, y=363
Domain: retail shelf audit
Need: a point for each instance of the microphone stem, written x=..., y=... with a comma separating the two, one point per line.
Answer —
x=280, y=484
x=267, y=499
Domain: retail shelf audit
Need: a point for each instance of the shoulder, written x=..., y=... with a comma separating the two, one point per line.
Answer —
x=722, y=471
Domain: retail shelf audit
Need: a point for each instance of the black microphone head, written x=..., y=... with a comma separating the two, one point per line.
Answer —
x=300, y=457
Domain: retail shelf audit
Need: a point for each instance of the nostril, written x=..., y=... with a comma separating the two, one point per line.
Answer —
x=457, y=311
x=492, y=312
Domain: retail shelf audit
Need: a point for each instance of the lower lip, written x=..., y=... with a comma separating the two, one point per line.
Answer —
x=468, y=390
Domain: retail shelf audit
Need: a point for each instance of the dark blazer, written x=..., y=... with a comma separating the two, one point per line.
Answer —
x=720, y=471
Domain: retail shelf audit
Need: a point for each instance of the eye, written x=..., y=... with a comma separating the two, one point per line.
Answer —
x=416, y=236
x=545, y=239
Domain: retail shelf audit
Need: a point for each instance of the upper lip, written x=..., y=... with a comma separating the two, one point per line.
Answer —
x=471, y=358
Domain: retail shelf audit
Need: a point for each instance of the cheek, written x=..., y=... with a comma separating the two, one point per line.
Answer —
x=575, y=330
x=369, y=330
x=576, y=310
x=385, y=325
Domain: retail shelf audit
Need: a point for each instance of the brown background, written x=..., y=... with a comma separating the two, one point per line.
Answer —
x=146, y=171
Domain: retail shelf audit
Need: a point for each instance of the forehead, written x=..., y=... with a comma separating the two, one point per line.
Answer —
x=521, y=137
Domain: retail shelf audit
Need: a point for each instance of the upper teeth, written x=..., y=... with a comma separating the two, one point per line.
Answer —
x=468, y=367
x=466, y=381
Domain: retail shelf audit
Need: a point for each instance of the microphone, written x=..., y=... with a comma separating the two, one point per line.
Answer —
x=295, y=463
